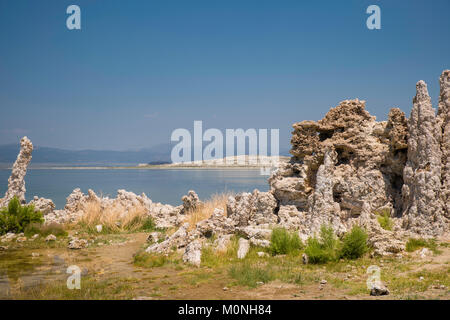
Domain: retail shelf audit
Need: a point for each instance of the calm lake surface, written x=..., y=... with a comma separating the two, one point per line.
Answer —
x=165, y=186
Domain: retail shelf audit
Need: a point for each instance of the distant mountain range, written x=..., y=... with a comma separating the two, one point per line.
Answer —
x=41, y=155
x=158, y=154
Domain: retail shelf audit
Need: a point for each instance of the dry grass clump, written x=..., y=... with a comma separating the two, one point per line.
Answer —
x=204, y=211
x=45, y=229
x=115, y=218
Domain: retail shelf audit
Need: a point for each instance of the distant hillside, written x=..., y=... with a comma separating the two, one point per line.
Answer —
x=160, y=153
x=44, y=155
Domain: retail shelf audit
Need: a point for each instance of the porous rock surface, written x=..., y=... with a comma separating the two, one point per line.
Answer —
x=43, y=205
x=193, y=253
x=444, y=123
x=190, y=201
x=423, y=206
x=16, y=182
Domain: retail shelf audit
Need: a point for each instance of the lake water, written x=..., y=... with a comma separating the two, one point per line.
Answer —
x=165, y=186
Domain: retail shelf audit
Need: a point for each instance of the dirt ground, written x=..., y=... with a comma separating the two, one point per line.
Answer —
x=108, y=272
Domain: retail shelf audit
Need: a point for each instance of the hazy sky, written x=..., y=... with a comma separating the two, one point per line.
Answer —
x=139, y=69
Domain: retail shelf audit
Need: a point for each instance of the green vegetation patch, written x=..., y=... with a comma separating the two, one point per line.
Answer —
x=324, y=248
x=414, y=244
x=354, y=244
x=15, y=218
x=384, y=219
x=284, y=242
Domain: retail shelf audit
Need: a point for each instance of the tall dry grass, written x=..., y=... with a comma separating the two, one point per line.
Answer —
x=115, y=218
x=206, y=210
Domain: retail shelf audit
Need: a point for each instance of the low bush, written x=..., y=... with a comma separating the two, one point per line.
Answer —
x=15, y=218
x=284, y=242
x=148, y=224
x=354, y=243
x=323, y=249
x=414, y=244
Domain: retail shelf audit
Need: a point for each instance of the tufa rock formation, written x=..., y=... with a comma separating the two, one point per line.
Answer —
x=347, y=168
x=444, y=124
x=347, y=164
x=423, y=206
x=338, y=164
x=16, y=182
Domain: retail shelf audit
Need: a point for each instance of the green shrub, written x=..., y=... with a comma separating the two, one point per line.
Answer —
x=316, y=253
x=328, y=238
x=416, y=243
x=284, y=242
x=148, y=224
x=385, y=221
x=354, y=244
x=322, y=249
x=15, y=218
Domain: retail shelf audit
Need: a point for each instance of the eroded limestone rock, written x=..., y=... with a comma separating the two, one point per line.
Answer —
x=191, y=202
x=423, y=207
x=244, y=246
x=444, y=123
x=177, y=240
x=193, y=253
x=43, y=205
x=348, y=160
x=16, y=182
x=217, y=224
x=338, y=164
x=254, y=208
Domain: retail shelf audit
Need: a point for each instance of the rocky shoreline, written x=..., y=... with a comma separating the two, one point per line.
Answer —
x=344, y=170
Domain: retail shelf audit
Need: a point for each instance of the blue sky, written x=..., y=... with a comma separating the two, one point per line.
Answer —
x=140, y=69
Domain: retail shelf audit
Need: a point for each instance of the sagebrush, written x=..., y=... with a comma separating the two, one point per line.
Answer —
x=324, y=248
x=284, y=242
x=15, y=218
x=354, y=243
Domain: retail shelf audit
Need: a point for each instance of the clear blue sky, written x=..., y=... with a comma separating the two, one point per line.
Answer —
x=139, y=69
